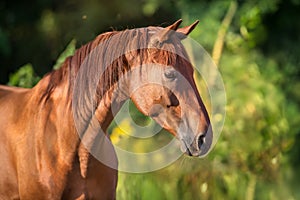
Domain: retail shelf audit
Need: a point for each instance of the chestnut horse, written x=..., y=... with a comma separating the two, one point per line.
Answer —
x=42, y=154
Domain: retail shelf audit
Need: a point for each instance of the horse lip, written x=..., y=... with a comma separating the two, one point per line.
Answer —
x=188, y=151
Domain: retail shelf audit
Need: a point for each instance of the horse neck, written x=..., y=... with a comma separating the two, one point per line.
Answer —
x=59, y=87
x=52, y=96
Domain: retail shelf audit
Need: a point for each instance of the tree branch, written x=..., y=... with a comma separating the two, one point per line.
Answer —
x=218, y=46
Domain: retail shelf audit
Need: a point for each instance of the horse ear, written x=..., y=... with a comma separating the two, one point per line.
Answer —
x=175, y=25
x=185, y=31
x=168, y=31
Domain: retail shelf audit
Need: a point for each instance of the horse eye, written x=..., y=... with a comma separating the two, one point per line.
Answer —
x=171, y=75
x=156, y=43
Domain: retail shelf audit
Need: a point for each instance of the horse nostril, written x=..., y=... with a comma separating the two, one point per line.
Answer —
x=201, y=141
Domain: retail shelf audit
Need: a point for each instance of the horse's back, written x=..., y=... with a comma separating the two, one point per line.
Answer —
x=9, y=101
x=10, y=97
x=6, y=90
x=11, y=106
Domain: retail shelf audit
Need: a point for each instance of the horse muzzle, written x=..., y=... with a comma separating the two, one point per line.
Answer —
x=199, y=146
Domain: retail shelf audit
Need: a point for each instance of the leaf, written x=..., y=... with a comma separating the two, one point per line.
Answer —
x=24, y=77
x=69, y=51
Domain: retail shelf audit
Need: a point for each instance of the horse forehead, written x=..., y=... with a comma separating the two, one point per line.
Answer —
x=155, y=32
x=172, y=48
x=152, y=30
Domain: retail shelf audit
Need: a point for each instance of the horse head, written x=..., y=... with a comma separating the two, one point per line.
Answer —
x=163, y=87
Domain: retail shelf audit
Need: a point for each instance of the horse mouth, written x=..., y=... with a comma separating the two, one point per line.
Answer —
x=199, y=147
x=186, y=149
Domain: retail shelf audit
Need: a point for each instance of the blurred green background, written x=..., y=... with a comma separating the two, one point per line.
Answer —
x=258, y=43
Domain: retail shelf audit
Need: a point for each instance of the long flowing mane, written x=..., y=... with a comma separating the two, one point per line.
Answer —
x=99, y=57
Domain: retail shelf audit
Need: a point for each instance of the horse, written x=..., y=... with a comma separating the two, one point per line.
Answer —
x=44, y=155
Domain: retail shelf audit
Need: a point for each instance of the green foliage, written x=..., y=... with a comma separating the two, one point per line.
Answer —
x=24, y=77
x=69, y=51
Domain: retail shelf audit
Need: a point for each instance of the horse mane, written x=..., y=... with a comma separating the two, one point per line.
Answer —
x=69, y=68
x=132, y=41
